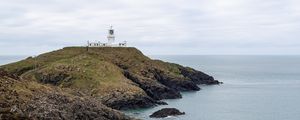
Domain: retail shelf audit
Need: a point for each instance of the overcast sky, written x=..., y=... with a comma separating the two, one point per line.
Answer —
x=30, y=27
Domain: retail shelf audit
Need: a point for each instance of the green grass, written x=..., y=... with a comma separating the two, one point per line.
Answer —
x=97, y=71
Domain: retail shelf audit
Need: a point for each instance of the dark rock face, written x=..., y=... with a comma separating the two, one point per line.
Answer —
x=179, y=84
x=124, y=103
x=61, y=107
x=4, y=73
x=154, y=89
x=161, y=85
x=198, y=77
x=165, y=112
x=53, y=79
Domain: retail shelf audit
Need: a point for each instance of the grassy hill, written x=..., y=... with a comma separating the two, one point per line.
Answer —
x=120, y=78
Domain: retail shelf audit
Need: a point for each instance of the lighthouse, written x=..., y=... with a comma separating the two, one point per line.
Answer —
x=111, y=36
x=110, y=41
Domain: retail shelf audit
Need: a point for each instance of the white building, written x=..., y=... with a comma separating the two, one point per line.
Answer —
x=110, y=41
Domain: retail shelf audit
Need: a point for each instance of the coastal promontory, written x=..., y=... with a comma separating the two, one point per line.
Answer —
x=91, y=83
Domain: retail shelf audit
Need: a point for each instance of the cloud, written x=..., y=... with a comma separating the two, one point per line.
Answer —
x=156, y=27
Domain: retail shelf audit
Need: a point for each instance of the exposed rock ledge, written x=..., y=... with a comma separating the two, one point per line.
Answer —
x=165, y=112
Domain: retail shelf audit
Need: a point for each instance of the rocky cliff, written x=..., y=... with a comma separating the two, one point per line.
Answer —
x=92, y=81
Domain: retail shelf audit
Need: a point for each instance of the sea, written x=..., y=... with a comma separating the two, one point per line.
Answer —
x=256, y=87
x=9, y=59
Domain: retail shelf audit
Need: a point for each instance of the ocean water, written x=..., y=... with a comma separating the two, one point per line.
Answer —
x=9, y=59
x=255, y=88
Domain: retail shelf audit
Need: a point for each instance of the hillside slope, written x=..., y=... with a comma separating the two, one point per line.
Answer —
x=29, y=100
x=121, y=78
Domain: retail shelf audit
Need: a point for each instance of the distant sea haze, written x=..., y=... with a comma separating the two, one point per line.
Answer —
x=10, y=59
x=255, y=88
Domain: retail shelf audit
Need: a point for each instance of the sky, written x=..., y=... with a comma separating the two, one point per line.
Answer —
x=156, y=27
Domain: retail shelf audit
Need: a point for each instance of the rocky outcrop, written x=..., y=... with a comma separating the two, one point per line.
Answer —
x=176, y=83
x=53, y=79
x=4, y=73
x=121, y=101
x=165, y=112
x=63, y=107
x=153, y=88
x=198, y=77
x=32, y=101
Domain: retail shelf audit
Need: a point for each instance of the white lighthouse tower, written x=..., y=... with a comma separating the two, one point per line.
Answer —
x=111, y=36
x=110, y=41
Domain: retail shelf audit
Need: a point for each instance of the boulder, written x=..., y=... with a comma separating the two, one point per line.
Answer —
x=165, y=112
